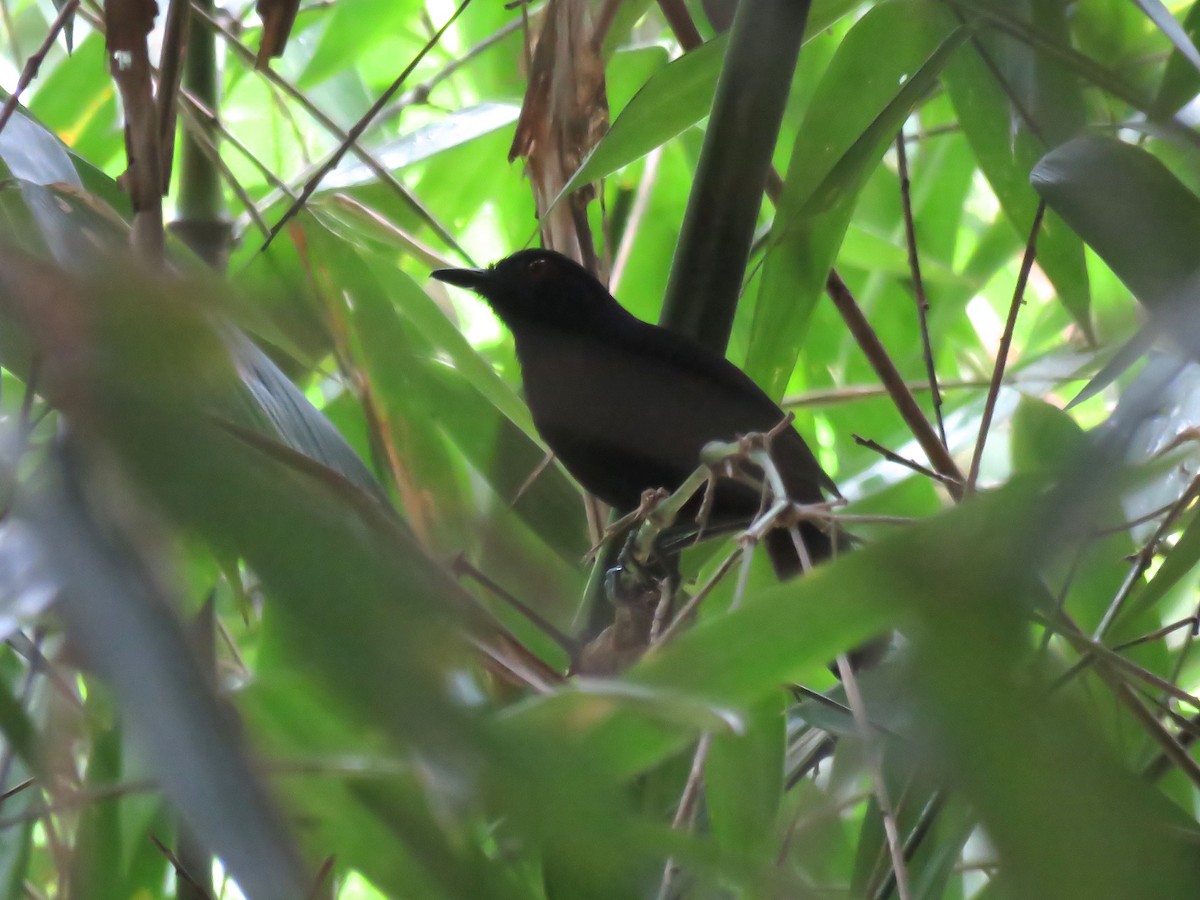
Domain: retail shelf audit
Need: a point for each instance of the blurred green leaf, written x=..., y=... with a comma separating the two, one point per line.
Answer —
x=1181, y=80
x=1169, y=26
x=743, y=780
x=1044, y=438
x=414, y=729
x=1130, y=209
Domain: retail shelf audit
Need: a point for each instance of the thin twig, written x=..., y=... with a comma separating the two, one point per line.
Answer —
x=892, y=456
x=1190, y=622
x=34, y=63
x=420, y=93
x=914, y=265
x=743, y=579
x=641, y=203
x=180, y=869
x=800, y=691
x=855, y=392
x=514, y=671
x=875, y=761
x=1143, y=558
x=324, y=872
x=9, y=755
x=1171, y=747
x=531, y=478
x=690, y=607
x=924, y=824
x=989, y=406
x=1133, y=523
x=1014, y=99
x=386, y=178
x=212, y=153
x=1102, y=661
x=410, y=245
x=687, y=808
x=170, y=74
x=461, y=566
x=939, y=457
x=357, y=129
x=194, y=108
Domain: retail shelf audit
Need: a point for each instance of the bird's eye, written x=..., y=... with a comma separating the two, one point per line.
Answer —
x=536, y=268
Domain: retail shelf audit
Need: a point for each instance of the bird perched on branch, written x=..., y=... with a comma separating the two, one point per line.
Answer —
x=627, y=406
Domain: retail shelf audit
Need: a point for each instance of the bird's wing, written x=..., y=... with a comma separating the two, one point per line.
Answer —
x=727, y=383
x=653, y=403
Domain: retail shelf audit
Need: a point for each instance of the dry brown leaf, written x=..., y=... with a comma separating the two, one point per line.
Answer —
x=277, y=17
x=127, y=23
x=564, y=115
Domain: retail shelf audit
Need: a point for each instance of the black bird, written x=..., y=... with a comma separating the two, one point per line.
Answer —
x=626, y=405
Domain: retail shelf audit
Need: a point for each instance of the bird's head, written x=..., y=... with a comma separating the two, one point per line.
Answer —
x=537, y=287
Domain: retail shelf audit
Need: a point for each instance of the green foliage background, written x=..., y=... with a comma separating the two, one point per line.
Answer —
x=241, y=655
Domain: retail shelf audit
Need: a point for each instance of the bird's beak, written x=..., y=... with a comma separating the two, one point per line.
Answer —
x=471, y=279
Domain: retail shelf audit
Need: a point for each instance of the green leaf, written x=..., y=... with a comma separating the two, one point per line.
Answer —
x=1044, y=438
x=675, y=97
x=354, y=28
x=1181, y=80
x=743, y=781
x=1130, y=209
x=1178, y=564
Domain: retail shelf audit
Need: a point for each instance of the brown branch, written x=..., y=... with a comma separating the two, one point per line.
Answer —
x=690, y=607
x=892, y=456
x=853, y=392
x=34, y=63
x=420, y=93
x=939, y=457
x=1190, y=622
x=204, y=143
x=170, y=74
x=128, y=24
x=682, y=25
